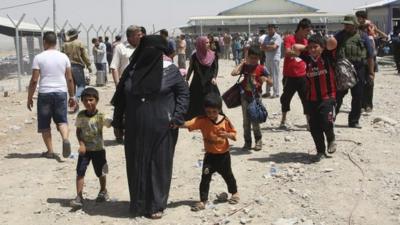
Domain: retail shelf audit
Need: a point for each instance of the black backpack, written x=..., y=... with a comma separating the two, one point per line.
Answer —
x=346, y=75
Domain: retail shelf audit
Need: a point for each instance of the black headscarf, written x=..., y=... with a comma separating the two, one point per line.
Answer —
x=147, y=65
x=145, y=69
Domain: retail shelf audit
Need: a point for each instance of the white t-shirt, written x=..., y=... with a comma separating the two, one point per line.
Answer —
x=52, y=65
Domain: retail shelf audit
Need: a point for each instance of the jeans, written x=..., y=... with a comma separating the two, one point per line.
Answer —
x=51, y=105
x=79, y=79
x=247, y=124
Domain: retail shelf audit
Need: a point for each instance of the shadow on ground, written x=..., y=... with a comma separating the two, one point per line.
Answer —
x=181, y=203
x=108, y=143
x=32, y=156
x=239, y=151
x=115, y=209
x=286, y=157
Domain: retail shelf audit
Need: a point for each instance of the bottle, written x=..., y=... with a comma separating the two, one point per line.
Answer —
x=272, y=169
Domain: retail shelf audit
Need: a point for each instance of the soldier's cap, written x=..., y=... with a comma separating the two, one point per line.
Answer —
x=351, y=20
x=72, y=33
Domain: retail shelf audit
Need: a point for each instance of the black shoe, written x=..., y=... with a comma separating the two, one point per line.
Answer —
x=332, y=147
x=355, y=125
x=319, y=156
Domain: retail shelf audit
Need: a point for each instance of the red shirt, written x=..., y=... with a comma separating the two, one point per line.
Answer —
x=294, y=66
x=253, y=73
x=321, y=84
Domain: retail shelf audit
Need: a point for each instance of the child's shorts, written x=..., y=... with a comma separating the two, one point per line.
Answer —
x=98, y=160
x=51, y=105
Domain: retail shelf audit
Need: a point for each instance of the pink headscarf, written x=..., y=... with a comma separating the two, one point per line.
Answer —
x=205, y=56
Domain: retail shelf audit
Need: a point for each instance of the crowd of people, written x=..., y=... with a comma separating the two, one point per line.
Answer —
x=154, y=98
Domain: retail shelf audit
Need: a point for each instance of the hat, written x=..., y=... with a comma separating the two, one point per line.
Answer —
x=72, y=33
x=350, y=19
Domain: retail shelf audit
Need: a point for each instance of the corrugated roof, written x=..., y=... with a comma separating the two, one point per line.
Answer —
x=289, y=4
x=6, y=24
x=265, y=16
x=378, y=4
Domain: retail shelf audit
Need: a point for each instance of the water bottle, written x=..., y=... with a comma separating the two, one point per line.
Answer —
x=272, y=170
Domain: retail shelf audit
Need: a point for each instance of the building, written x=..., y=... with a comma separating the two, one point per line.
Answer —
x=254, y=15
x=384, y=14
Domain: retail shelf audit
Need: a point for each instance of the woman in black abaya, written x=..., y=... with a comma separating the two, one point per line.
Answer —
x=204, y=66
x=154, y=97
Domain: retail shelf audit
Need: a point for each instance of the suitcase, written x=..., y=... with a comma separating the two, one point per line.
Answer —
x=100, y=78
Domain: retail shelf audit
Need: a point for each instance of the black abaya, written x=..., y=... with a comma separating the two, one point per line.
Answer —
x=201, y=85
x=150, y=142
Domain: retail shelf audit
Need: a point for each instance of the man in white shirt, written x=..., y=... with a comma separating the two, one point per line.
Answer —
x=121, y=58
x=123, y=52
x=272, y=48
x=52, y=69
x=100, y=55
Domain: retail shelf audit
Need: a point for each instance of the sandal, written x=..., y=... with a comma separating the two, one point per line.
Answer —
x=222, y=197
x=234, y=200
x=48, y=155
x=156, y=216
x=198, y=207
x=66, y=148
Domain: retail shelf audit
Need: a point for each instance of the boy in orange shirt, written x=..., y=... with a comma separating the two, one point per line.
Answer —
x=216, y=130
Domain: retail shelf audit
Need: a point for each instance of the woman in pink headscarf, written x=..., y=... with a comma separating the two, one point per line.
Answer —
x=204, y=65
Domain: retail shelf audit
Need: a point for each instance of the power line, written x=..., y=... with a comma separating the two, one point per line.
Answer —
x=24, y=4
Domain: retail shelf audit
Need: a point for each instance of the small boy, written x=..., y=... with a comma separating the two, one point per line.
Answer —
x=216, y=130
x=321, y=91
x=255, y=75
x=89, y=131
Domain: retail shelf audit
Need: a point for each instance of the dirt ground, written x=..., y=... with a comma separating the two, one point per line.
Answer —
x=359, y=185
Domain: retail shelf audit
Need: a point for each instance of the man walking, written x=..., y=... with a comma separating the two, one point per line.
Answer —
x=355, y=46
x=52, y=69
x=272, y=47
x=122, y=54
x=100, y=55
x=79, y=58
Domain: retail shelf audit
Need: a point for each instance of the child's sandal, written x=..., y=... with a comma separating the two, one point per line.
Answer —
x=198, y=207
x=234, y=200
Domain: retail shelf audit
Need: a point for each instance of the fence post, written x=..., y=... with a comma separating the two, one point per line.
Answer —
x=41, y=27
x=16, y=25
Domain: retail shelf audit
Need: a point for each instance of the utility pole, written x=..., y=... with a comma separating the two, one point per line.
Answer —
x=54, y=16
x=122, y=18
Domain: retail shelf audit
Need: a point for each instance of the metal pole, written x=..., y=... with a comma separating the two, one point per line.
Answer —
x=107, y=30
x=98, y=30
x=41, y=27
x=16, y=25
x=54, y=16
x=113, y=34
x=201, y=28
x=87, y=37
x=248, y=21
x=122, y=18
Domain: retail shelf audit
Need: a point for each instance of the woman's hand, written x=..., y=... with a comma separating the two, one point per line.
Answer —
x=214, y=81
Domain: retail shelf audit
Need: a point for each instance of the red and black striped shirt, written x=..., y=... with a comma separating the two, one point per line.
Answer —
x=321, y=84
